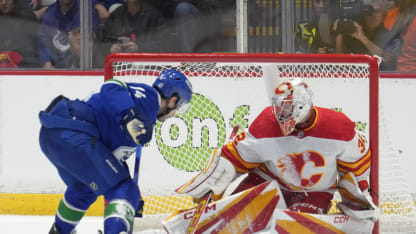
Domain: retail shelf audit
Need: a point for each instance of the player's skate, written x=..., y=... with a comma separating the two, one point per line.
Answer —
x=54, y=230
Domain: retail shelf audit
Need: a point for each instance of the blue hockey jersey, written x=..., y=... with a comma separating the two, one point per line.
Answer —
x=87, y=140
x=114, y=100
x=102, y=113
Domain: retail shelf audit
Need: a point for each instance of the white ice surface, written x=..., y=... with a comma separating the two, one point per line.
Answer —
x=19, y=224
x=24, y=224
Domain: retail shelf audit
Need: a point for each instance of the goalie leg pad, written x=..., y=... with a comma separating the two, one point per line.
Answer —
x=247, y=211
x=215, y=177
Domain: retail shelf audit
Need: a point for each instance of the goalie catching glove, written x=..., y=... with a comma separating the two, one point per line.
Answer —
x=356, y=203
x=215, y=177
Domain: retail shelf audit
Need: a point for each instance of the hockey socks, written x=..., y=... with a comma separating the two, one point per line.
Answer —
x=124, y=201
x=72, y=208
x=67, y=217
x=118, y=217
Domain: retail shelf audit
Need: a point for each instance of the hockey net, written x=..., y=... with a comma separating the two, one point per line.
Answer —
x=231, y=89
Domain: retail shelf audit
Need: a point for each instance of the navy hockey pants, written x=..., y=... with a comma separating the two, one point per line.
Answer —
x=81, y=160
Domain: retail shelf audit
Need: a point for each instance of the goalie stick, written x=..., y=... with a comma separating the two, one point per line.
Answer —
x=202, y=204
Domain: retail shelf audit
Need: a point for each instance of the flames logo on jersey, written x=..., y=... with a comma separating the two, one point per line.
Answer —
x=294, y=168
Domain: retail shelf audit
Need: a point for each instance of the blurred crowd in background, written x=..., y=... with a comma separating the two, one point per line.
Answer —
x=47, y=34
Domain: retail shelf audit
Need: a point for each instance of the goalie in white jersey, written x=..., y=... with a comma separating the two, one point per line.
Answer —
x=306, y=148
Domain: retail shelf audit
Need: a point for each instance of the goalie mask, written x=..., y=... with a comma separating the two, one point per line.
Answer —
x=292, y=102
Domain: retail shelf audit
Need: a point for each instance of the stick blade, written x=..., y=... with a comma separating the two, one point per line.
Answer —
x=199, y=211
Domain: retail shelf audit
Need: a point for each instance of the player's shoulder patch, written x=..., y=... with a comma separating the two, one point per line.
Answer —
x=265, y=125
x=334, y=125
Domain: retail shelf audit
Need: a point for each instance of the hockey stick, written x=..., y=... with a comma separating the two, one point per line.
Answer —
x=202, y=204
x=135, y=180
x=137, y=163
x=139, y=212
x=199, y=210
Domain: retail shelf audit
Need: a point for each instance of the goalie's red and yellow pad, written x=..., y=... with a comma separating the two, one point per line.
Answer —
x=291, y=222
x=262, y=209
x=249, y=210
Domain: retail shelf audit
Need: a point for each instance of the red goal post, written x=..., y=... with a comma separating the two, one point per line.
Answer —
x=223, y=68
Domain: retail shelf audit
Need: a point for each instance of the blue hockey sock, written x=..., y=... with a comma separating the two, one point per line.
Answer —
x=118, y=217
x=124, y=200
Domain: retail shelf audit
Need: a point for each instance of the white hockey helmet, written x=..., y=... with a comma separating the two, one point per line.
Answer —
x=292, y=102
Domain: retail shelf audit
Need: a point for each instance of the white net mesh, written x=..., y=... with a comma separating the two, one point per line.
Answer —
x=230, y=93
x=399, y=211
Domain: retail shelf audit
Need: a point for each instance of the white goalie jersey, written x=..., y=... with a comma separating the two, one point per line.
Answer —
x=306, y=160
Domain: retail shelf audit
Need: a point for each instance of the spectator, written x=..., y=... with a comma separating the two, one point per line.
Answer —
x=34, y=4
x=61, y=18
x=38, y=9
x=366, y=35
x=73, y=59
x=18, y=35
x=313, y=36
x=184, y=19
x=391, y=4
x=401, y=22
x=105, y=7
x=110, y=6
x=136, y=26
x=217, y=27
x=103, y=13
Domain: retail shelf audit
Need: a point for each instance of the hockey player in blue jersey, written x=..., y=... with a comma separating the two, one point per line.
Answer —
x=89, y=140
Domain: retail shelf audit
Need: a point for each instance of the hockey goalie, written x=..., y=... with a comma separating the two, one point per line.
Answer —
x=289, y=164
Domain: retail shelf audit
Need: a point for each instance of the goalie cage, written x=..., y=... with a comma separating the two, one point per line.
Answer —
x=229, y=90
